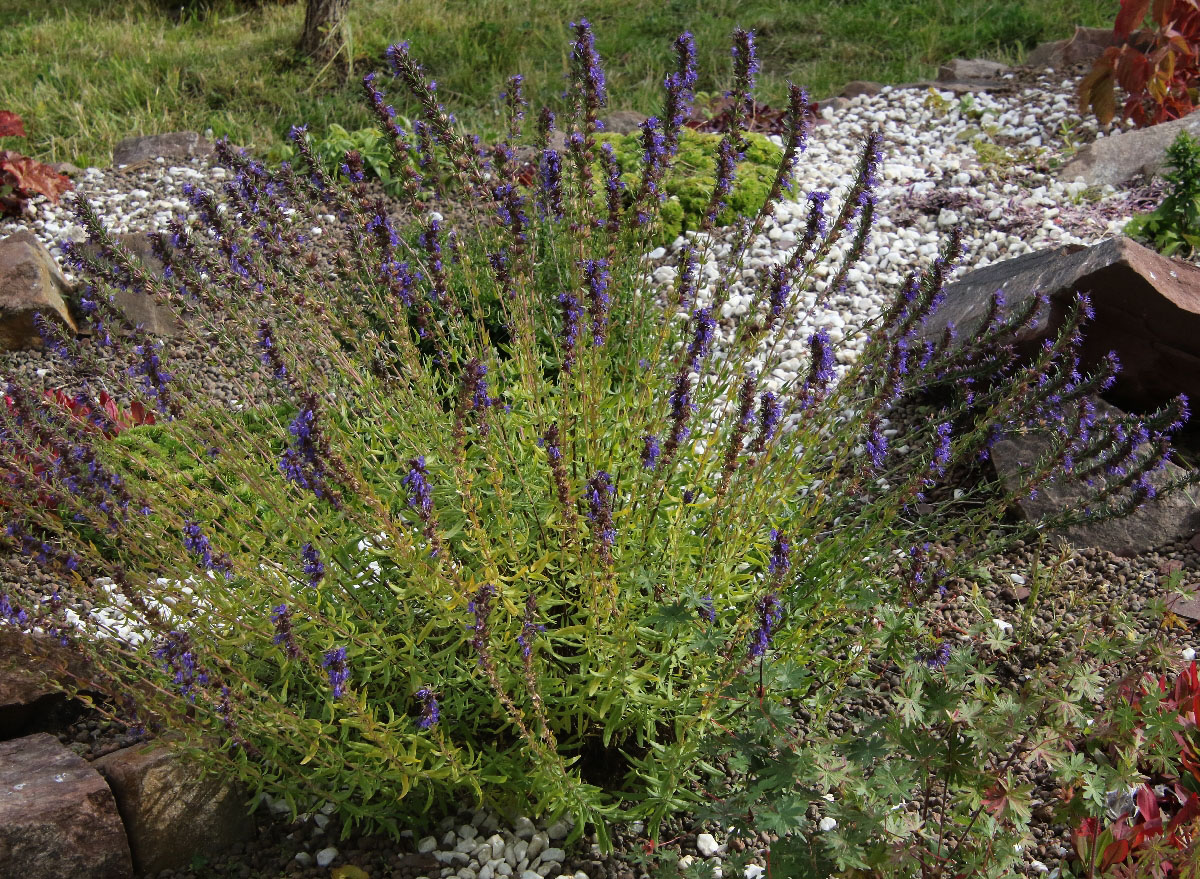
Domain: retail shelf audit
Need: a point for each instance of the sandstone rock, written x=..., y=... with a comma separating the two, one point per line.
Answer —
x=859, y=87
x=623, y=121
x=962, y=70
x=1147, y=310
x=180, y=145
x=1159, y=521
x=171, y=811
x=1119, y=157
x=140, y=308
x=30, y=282
x=57, y=816
x=1085, y=46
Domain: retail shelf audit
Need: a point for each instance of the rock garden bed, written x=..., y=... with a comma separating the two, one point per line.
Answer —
x=1002, y=157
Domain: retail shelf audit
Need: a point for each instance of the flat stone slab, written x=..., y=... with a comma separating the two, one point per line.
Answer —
x=171, y=811
x=1159, y=521
x=58, y=818
x=1147, y=310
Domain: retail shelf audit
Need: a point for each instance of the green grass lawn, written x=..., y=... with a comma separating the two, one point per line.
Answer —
x=85, y=73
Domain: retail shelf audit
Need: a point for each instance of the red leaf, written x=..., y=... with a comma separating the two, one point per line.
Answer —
x=11, y=124
x=1131, y=15
x=31, y=177
x=1133, y=69
x=1147, y=803
x=1189, y=812
x=1114, y=853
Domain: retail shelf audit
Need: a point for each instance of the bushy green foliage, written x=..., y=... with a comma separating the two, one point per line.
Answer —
x=544, y=567
x=930, y=775
x=330, y=149
x=690, y=184
x=1173, y=228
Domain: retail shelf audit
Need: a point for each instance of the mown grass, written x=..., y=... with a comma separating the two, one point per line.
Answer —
x=85, y=73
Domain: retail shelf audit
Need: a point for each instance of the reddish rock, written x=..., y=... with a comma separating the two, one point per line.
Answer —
x=172, y=811
x=30, y=282
x=57, y=816
x=177, y=145
x=1147, y=310
x=1188, y=608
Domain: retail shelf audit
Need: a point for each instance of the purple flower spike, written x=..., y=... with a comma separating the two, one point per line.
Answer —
x=597, y=278
x=197, y=544
x=702, y=337
x=650, y=451
x=430, y=713
x=334, y=662
x=941, y=454
x=877, y=448
x=281, y=616
x=481, y=608
x=530, y=628
x=593, y=89
x=938, y=659
x=769, y=614
x=600, y=490
x=781, y=553
x=417, y=482
x=314, y=568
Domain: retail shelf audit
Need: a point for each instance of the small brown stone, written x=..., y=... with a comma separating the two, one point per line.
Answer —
x=858, y=87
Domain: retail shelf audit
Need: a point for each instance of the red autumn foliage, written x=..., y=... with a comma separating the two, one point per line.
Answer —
x=21, y=178
x=1159, y=72
x=114, y=421
x=1166, y=813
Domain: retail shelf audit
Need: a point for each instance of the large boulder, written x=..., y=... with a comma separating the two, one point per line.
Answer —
x=1161, y=520
x=1147, y=309
x=1120, y=157
x=177, y=145
x=57, y=816
x=30, y=282
x=172, y=811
